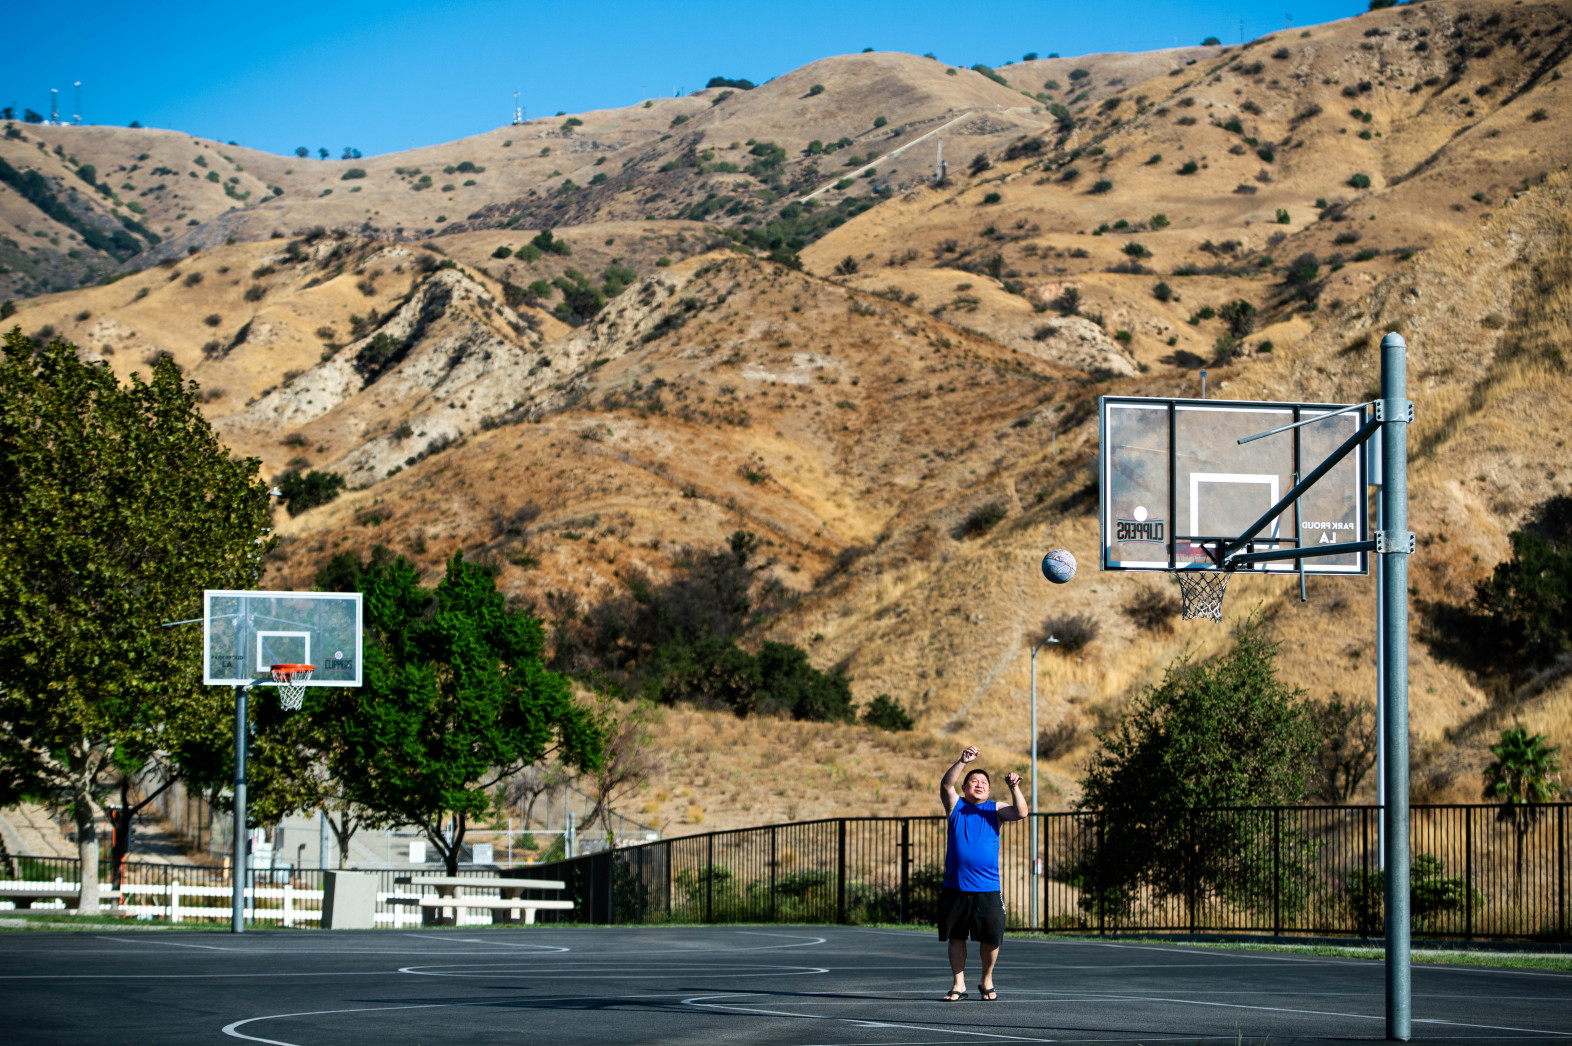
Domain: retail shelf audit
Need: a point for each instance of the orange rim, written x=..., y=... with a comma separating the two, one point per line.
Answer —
x=286, y=673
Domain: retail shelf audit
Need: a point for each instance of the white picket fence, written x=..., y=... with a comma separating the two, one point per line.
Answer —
x=183, y=903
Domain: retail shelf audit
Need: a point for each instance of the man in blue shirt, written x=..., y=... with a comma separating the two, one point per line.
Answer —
x=969, y=902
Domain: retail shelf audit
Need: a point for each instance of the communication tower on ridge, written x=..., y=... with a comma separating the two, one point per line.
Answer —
x=54, y=106
x=518, y=112
x=76, y=113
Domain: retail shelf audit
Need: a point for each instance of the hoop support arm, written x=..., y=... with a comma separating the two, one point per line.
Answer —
x=1227, y=554
x=1341, y=549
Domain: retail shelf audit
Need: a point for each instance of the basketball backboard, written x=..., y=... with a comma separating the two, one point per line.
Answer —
x=245, y=633
x=1174, y=478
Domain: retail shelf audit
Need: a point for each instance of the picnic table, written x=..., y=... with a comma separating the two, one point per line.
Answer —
x=505, y=908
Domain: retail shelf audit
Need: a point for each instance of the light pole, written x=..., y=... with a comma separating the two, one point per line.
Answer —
x=1037, y=861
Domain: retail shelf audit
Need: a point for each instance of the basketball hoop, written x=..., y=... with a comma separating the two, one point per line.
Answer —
x=1202, y=593
x=291, y=683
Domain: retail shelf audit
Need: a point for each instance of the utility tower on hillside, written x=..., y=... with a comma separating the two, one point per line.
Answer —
x=76, y=110
x=54, y=107
x=518, y=112
x=940, y=168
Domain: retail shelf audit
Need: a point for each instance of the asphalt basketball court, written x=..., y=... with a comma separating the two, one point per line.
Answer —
x=789, y=985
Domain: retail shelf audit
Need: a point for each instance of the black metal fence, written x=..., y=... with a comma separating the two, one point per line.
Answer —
x=1479, y=871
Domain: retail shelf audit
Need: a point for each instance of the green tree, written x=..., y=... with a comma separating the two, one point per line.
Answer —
x=307, y=759
x=455, y=700
x=121, y=507
x=1521, y=778
x=1527, y=600
x=1211, y=735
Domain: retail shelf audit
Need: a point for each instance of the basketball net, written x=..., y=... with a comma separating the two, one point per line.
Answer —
x=1202, y=593
x=291, y=683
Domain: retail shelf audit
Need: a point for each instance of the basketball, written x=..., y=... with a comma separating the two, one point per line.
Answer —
x=1059, y=566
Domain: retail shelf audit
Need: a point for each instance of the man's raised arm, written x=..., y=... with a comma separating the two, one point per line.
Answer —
x=950, y=784
x=1019, y=808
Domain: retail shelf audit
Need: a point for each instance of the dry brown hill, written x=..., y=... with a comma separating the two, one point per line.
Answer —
x=927, y=365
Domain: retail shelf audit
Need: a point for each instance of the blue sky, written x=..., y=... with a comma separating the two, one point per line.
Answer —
x=387, y=76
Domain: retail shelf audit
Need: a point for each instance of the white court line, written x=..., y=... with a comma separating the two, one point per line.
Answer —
x=807, y=941
x=645, y=971
x=1326, y=1013
x=698, y=1002
x=166, y=944
x=499, y=944
x=1328, y=960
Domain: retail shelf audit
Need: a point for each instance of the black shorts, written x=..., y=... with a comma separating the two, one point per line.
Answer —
x=978, y=916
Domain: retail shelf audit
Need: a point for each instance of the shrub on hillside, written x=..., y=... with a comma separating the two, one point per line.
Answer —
x=351, y=174
x=1153, y=609
x=1074, y=631
x=1100, y=186
x=886, y=713
x=981, y=519
x=307, y=491
x=1359, y=181
x=816, y=89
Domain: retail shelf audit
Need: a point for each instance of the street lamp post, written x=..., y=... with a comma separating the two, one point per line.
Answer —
x=1037, y=861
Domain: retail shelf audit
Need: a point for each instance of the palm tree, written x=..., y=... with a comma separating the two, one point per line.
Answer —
x=1521, y=779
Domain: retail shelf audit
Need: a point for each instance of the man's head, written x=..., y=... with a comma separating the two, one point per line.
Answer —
x=976, y=787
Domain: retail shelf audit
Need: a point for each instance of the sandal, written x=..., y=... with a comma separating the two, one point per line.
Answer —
x=988, y=994
x=954, y=995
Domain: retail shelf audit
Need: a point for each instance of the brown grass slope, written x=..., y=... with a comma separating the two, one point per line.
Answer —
x=1465, y=103
x=621, y=165
x=859, y=420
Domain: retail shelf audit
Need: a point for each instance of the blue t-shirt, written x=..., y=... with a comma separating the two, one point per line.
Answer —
x=971, y=859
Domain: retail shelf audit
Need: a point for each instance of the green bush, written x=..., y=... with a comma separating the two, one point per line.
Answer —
x=502, y=252
x=879, y=121
x=302, y=492
x=679, y=119
x=351, y=174
x=990, y=74
x=992, y=197
x=1163, y=292
x=721, y=81
x=1359, y=181
x=1282, y=217
x=887, y=714
x=981, y=519
x=551, y=245
x=1189, y=167
x=1240, y=316
x=816, y=89
x=527, y=253
x=1077, y=75
x=1137, y=250
x=1100, y=186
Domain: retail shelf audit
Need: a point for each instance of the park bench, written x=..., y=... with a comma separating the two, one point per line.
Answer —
x=22, y=894
x=508, y=906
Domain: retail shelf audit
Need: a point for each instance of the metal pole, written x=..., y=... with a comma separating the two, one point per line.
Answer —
x=1036, y=855
x=241, y=844
x=1032, y=835
x=1394, y=637
x=322, y=843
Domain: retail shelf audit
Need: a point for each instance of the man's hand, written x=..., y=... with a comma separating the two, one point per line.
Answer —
x=1012, y=779
x=969, y=754
x=1018, y=808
